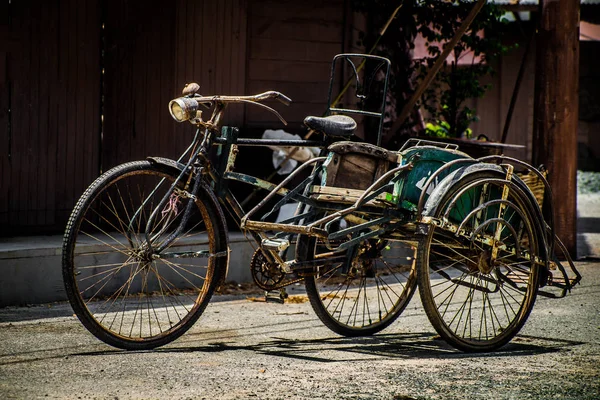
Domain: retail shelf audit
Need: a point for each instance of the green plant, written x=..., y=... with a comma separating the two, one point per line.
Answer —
x=436, y=21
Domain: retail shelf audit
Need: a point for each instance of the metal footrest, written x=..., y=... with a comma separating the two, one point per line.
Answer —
x=275, y=244
x=348, y=196
x=274, y=226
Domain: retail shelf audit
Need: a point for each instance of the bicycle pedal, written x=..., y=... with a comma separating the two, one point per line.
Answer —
x=275, y=244
x=274, y=296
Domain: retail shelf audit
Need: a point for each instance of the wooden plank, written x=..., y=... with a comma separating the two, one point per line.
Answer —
x=40, y=184
x=91, y=94
x=556, y=110
x=283, y=71
x=294, y=115
x=220, y=41
x=228, y=49
x=347, y=196
x=29, y=82
x=294, y=29
x=120, y=28
x=188, y=55
x=5, y=162
x=207, y=69
x=72, y=82
x=488, y=110
x=63, y=108
x=298, y=11
x=293, y=50
x=79, y=104
x=143, y=77
x=298, y=92
x=240, y=22
x=167, y=81
x=53, y=117
x=196, y=58
x=168, y=62
x=521, y=127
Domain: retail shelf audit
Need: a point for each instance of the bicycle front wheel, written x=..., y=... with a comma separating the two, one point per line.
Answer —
x=122, y=289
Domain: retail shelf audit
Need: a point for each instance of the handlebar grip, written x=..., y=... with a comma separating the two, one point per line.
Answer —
x=284, y=99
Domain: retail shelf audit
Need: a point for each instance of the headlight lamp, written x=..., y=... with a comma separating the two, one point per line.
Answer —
x=183, y=108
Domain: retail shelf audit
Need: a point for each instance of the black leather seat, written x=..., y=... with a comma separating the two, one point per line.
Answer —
x=333, y=125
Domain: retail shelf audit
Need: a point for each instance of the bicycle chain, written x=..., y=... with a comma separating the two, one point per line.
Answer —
x=255, y=259
x=284, y=284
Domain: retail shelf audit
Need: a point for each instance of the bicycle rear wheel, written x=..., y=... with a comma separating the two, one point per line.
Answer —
x=363, y=293
x=125, y=294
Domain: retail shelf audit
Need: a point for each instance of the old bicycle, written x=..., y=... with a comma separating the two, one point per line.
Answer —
x=147, y=243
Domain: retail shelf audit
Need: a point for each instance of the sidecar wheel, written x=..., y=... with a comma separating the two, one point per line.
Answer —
x=475, y=300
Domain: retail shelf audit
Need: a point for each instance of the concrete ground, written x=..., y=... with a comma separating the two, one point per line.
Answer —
x=245, y=349
x=588, y=225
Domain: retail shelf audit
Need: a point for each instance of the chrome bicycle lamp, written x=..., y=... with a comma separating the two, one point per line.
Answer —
x=183, y=109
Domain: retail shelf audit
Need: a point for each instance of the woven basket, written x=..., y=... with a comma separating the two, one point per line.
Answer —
x=535, y=184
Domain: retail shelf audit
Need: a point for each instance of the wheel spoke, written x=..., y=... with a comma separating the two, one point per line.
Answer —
x=478, y=297
x=127, y=296
x=370, y=295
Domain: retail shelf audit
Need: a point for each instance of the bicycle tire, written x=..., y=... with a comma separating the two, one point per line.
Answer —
x=367, y=296
x=474, y=304
x=123, y=295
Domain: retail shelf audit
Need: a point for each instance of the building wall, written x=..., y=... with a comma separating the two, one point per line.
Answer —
x=492, y=109
x=151, y=53
x=589, y=107
x=290, y=48
x=85, y=86
x=49, y=110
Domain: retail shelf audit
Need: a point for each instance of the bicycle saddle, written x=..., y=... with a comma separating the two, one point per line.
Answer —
x=333, y=125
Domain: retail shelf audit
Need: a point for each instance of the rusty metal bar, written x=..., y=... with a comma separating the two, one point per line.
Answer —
x=273, y=142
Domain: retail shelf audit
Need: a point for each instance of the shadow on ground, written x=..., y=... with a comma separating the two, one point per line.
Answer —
x=386, y=346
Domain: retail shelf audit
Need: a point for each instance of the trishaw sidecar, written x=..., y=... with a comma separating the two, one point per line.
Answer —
x=470, y=232
x=484, y=249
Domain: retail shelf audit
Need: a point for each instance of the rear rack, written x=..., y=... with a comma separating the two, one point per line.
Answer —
x=415, y=142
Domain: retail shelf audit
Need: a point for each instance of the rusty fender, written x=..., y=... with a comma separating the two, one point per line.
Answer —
x=497, y=172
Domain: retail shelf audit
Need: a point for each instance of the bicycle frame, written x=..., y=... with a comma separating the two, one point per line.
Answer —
x=219, y=174
x=470, y=225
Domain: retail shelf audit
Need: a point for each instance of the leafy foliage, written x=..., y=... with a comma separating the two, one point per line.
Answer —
x=436, y=22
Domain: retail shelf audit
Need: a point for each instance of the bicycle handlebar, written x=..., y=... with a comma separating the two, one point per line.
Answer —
x=185, y=108
x=271, y=94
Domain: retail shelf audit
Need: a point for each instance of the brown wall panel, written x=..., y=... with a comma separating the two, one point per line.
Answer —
x=151, y=54
x=493, y=107
x=290, y=49
x=50, y=81
x=64, y=65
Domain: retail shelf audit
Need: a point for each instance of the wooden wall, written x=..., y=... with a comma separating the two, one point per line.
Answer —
x=290, y=48
x=589, y=107
x=151, y=53
x=49, y=110
x=85, y=86
x=493, y=107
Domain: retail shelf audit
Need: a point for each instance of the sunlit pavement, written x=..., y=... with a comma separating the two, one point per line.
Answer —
x=243, y=347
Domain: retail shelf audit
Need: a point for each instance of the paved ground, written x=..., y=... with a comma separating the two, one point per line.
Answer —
x=588, y=225
x=241, y=349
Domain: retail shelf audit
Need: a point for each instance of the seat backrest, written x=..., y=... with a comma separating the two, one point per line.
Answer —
x=358, y=87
